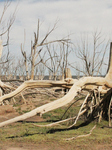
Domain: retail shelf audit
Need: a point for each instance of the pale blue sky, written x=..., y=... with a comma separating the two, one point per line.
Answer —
x=75, y=16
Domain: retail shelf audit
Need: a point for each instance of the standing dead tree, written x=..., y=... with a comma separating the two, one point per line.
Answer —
x=57, y=63
x=95, y=105
x=54, y=61
x=37, y=47
x=66, y=50
x=5, y=26
x=25, y=57
x=68, y=73
x=91, y=54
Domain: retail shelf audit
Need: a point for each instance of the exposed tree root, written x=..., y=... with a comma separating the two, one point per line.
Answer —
x=55, y=123
x=79, y=136
x=99, y=81
x=32, y=84
x=81, y=111
x=3, y=85
x=109, y=112
x=69, y=107
x=75, y=89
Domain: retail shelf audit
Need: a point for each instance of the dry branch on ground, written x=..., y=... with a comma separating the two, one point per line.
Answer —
x=96, y=104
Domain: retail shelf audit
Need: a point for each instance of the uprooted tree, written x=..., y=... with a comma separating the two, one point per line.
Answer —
x=97, y=103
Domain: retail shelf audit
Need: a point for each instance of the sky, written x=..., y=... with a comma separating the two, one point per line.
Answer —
x=74, y=17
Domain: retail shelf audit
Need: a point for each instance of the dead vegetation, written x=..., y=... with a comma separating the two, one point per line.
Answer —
x=97, y=103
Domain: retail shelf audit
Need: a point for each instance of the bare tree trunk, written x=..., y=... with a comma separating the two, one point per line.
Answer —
x=109, y=71
x=98, y=105
x=55, y=104
x=68, y=73
x=32, y=70
x=25, y=61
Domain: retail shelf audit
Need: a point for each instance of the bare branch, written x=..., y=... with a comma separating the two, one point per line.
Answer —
x=79, y=136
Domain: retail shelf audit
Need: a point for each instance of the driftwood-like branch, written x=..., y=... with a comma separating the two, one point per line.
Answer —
x=109, y=71
x=80, y=111
x=3, y=85
x=79, y=136
x=48, y=84
x=109, y=112
x=55, y=123
x=31, y=84
x=77, y=87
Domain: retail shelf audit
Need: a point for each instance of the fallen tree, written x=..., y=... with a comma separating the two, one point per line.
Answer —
x=96, y=104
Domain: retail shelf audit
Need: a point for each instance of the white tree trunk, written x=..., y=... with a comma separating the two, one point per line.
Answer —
x=57, y=103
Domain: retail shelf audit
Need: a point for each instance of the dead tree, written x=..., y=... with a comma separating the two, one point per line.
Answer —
x=5, y=26
x=91, y=54
x=25, y=62
x=68, y=73
x=54, y=61
x=58, y=59
x=25, y=57
x=37, y=47
x=66, y=50
x=95, y=105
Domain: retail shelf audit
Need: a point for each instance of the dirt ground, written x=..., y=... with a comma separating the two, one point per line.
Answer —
x=7, y=112
x=55, y=146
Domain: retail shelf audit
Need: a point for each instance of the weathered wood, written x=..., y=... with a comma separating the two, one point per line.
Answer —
x=68, y=73
x=57, y=103
x=47, y=84
x=75, y=89
x=79, y=136
x=109, y=70
x=33, y=84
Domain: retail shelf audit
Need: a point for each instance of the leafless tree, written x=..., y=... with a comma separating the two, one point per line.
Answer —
x=91, y=55
x=65, y=64
x=37, y=47
x=97, y=102
x=25, y=57
x=54, y=60
x=41, y=71
x=95, y=105
x=5, y=26
x=57, y=61
x=36, y=44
